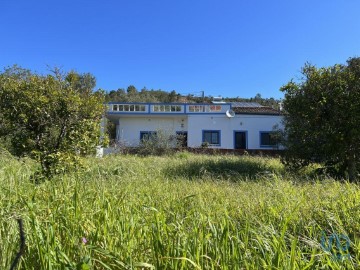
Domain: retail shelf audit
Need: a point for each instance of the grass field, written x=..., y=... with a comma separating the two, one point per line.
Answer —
x=186, y=211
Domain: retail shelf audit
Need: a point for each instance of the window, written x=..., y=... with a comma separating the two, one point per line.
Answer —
x=146, y=135
x=196, y=108
x=212, y=137
x=215, y=108
x=267, y=139
x=129, y=108
x=167, y=108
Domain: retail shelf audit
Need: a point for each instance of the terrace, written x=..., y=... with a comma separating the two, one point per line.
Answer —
x=166, y=108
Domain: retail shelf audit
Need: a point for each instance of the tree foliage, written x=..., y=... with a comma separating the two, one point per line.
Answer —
x=323, y=118
x=52, y=118
x=133, y=95
x=269, y=102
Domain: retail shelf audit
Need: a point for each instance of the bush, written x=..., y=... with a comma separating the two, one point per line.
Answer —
x=53, y=119
x=162, y=142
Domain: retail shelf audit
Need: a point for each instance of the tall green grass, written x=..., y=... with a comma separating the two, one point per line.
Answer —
x=181, y=212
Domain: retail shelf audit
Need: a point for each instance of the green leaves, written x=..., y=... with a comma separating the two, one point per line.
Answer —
x=57, y=117
x=323, y=117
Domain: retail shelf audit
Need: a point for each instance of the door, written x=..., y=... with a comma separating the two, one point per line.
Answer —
x=181, y=137
x=240, y=139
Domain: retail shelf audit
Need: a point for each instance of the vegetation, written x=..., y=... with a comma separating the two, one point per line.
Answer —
x=323, y=118
x=183, y=211
x=161, y=142
x=51, y=118
x=131, y=94
x=269, y=102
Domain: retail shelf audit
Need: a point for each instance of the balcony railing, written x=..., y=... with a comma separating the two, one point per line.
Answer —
x=166, y=108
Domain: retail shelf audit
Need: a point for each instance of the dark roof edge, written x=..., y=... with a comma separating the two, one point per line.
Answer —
x=259, y=113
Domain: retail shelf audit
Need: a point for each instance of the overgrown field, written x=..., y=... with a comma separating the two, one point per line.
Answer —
x=182, y=212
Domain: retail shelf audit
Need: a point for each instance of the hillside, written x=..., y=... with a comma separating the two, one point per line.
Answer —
x=131, y=94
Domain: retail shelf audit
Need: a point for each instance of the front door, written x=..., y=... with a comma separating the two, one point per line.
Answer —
x=240, y=139
x=181, y=137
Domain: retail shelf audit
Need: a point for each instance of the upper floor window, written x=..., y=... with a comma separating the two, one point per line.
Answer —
x=215, y=108
x=129, y=107
x=167, y=108
x=196, y=108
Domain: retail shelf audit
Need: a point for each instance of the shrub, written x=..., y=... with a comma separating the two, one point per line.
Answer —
x=162, y=142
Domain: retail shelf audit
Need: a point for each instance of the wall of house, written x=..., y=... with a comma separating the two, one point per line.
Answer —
x=251, y=124
x=128, y=128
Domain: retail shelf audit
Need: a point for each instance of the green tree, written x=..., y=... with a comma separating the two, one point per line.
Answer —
x=322, y=118
x=117, y=95
x=84, y=83
x=52, y=118
x=172, y=96
x=131, y=90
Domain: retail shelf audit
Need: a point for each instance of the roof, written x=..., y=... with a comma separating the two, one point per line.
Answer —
x=245, y=104
x=252, y=108
x=256, y=110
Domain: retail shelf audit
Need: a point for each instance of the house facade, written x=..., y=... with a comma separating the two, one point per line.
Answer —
x=235, y=125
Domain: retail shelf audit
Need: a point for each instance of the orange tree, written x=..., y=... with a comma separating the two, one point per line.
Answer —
x=52, y=118
x=322, y=118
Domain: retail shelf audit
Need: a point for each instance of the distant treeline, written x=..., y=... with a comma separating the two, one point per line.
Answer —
x=131, y=94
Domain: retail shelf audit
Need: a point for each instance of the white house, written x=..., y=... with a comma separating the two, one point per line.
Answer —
x=237, y=125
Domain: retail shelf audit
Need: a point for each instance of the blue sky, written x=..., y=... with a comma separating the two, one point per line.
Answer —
x=229, y=48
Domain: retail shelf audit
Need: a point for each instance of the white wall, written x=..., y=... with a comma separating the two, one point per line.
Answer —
x=129, y=128
x=252, y=124
x=198, y=123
